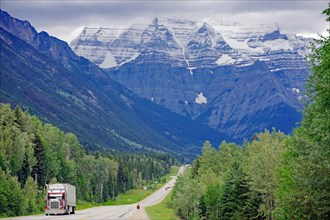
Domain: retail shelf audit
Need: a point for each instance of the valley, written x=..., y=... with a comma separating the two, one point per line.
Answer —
x=97, y=125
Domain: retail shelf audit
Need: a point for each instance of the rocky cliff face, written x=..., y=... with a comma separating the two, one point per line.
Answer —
x=237, y=79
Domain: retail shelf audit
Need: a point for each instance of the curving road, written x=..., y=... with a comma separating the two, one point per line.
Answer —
x=114, y=212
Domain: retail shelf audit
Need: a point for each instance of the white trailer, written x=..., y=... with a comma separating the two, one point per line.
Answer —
x=61, y=199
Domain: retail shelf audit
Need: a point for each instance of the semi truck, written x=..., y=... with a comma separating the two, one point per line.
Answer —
x=60, y=199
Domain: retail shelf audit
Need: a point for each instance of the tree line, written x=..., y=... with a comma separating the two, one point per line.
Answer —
x=273, y=176
x=33, y=154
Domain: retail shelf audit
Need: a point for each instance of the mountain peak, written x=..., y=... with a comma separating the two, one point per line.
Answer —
x=169, y=61
x=206, y=29
x=45, y=76
x=57, y=49
x=237, y=79
x=155, y=21
x=19, y=28
x=185, y=43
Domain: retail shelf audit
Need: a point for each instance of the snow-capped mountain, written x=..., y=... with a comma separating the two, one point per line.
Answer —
x=191, y=44
x=42, y=74
x=238, y=79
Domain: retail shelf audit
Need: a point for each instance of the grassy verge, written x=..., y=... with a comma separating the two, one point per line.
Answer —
x=173, y=171
x=133, y=195
x=130, y=197
x=81, y=205
x=136, y=195
x=161, y=210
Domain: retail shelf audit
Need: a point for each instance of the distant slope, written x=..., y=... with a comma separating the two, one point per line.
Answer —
x=42, y=73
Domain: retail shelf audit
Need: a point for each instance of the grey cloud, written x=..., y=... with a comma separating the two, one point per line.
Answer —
x=293, y=15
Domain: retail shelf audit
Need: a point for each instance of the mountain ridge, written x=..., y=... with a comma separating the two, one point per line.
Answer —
x=194, y=67
x=42, y=73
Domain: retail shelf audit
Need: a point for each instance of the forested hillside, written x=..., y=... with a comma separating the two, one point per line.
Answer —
x=33, y=154
x=41, y=73
x=274, y=176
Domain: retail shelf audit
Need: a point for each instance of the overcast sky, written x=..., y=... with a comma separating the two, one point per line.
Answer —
x=66, y=18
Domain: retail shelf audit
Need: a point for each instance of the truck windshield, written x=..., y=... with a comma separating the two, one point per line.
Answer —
x=55, y=197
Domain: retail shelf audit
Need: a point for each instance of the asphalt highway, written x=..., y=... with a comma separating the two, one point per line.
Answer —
x=114, y=212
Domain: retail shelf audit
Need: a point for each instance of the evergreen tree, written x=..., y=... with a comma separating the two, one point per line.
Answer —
x=24, y=173
x=45, y=153
x=39, y=170
x=305, y=193
x=235, y=201
x=20, y=119
x=195, y=167
x=122, y=177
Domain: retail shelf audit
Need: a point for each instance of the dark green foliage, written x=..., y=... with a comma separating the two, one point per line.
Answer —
x=236, y=201
x=272, y=176
x=195, y=167
x=39, y=170
x=234, y=182
x=10, y=195
x=24, y=173
x=305, y=191
x=122, y=177
x=20, y=119
x=33, y=154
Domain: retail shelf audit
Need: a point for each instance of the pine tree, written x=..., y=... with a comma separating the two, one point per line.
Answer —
x=24, y=173
x=20, y=119
x=236, y=201
x=39, y=170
